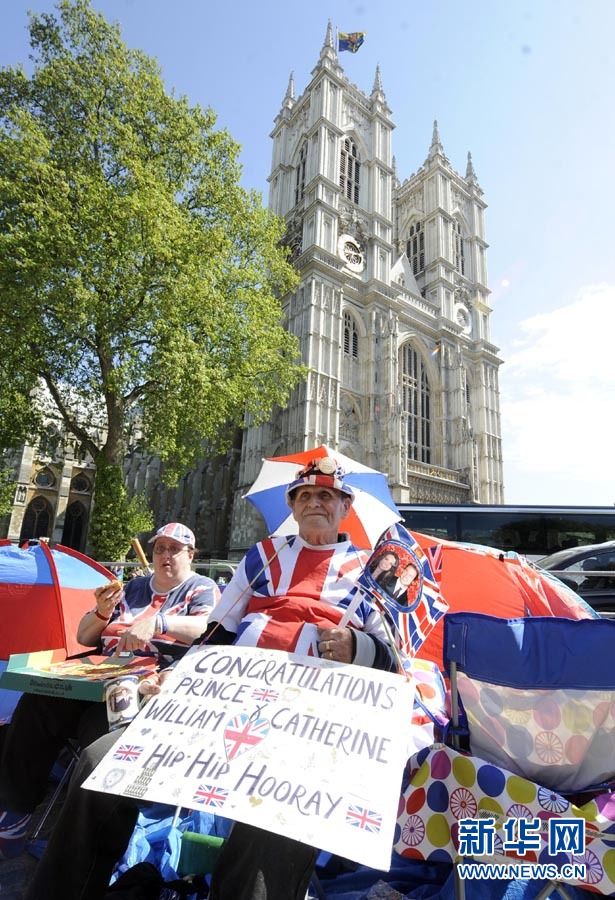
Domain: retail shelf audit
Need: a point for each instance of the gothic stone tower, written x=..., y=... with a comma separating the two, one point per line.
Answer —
x=392, y=307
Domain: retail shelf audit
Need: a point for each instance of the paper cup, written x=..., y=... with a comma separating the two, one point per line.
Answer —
x=122, y=699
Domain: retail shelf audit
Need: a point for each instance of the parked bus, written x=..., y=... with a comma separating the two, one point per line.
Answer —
x=534, y=531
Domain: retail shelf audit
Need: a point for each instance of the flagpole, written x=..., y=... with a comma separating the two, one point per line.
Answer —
x=343, y=623
x=358, y=597
x=391, y=639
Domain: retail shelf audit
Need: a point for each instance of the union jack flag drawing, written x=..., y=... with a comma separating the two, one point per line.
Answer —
x=241, y=733
x=128, y=752
x=364, y=819
x=209, y=795
x=264, y=694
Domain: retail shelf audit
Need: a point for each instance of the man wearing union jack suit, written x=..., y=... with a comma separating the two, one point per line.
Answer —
x=153, y=615
x=290, y=593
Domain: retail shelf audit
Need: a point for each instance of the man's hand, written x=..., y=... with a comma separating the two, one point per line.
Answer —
x=153, y=683
x=107, y=598
x=335, y=643
x=137, y=637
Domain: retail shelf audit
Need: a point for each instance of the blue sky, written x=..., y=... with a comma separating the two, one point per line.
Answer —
x=527, y=86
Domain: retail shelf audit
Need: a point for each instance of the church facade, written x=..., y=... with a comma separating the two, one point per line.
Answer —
x=392, y=309
x=392, y=314
x=54, y=484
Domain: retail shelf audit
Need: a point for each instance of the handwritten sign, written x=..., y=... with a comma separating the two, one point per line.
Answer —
x=303, y=747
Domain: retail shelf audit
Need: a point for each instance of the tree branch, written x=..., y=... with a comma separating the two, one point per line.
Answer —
x=138, y=391
x=68, y=419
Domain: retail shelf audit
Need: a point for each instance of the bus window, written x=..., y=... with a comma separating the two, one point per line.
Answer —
x=577, y=530
x=439, y=524
x=502, y=529
x=534, y=531
x=508, y=539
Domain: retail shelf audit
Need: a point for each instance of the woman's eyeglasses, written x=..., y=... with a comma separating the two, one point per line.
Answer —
x=160, y=549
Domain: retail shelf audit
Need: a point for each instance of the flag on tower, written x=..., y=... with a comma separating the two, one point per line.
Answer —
x=350, y=40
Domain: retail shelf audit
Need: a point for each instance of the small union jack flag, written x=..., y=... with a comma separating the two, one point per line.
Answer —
x=264, y=694
x=241, y=733
x=434, y=554
x=365, y=819
x=208, y=795
x=128, y=752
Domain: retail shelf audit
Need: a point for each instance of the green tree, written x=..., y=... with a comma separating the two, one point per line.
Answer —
x=139, y=280
x=7, y=489
x=117, y=520
x=18, y=422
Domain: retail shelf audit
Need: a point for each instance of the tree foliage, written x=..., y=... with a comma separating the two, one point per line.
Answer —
x=7, y=489
x=139, y=280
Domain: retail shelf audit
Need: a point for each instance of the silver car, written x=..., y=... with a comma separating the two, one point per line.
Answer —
x=590, y=571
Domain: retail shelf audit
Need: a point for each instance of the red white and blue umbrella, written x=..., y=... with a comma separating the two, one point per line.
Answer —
x=43, y=595
x=372, y=512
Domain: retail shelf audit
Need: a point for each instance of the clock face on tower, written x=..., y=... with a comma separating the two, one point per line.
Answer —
x=463, y=318
x=350, y=251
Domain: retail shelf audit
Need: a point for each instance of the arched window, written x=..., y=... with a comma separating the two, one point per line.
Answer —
x=45, y=478
x=300, y=175
x=416, y=399
x=37, y=520
x=81, y=483
x=415, y=248
x=350, y=170
x=351, y=337
x=74, y=525
x=458, y=250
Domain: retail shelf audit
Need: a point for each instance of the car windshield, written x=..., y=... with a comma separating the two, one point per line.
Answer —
x=555, y=560
x=577, y=557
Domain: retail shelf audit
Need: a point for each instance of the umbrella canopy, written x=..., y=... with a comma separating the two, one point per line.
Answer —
x=372, y=511
x=473, y=578
x=43, y=595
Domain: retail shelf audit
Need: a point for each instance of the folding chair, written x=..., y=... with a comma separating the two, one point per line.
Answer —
x=71, y=757
x=536, y=697
x=200, y=852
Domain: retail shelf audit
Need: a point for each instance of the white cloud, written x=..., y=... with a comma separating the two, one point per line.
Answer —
x=558, y=404
x=571, y=343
